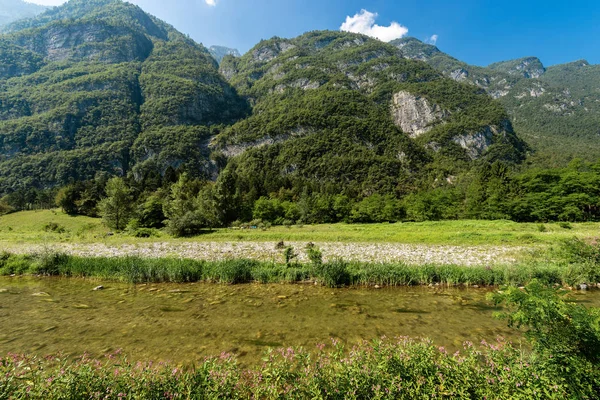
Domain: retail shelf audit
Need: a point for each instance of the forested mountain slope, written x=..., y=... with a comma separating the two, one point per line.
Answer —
x=343, y=113
x=100, y=86
x=556, y=110
x=325, y=127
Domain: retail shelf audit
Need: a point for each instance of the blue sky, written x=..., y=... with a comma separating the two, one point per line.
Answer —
x=476, y=31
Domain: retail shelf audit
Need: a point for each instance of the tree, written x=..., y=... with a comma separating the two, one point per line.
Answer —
x=116, y=208
x=150, y=213
x=186, y=209
x=67, y=198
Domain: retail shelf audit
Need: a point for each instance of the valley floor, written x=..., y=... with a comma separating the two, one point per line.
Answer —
x=445, y=242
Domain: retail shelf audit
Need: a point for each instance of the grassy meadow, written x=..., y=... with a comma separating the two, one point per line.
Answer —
x=33, y=227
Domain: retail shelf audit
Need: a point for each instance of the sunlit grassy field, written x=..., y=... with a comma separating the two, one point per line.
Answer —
x=29, y=227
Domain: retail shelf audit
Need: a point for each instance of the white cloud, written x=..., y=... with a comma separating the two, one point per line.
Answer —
x=433, y=39
x=211, y=3
x=364, y=22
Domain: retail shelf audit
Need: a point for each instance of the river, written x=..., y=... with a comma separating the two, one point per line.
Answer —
x=185, y=322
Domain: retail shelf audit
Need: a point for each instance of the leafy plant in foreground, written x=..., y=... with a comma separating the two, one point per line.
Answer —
x=565, y=334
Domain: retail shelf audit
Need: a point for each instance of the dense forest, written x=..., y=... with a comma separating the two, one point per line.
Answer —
x=187, y=206
x=108, y=111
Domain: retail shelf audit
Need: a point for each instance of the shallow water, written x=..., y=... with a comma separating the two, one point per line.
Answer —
x=185, y=322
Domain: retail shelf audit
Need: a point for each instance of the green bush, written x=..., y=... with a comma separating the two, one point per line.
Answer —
x=54, y=227
x=50, y=263
x=565, y=225
x=231, y=271
x=577, y=250
x=334, y=274
x=542, y=228
x=565, y=334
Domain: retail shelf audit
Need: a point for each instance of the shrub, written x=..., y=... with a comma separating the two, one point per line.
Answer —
x=290, y=255
x=50, y=263
x=231, y=271
x=541, y=228
x=54, y=227
x=314, y=255
x=565, y=334
x=334, y=273
x=577, y=250
x=565, y=225
x=5, y=208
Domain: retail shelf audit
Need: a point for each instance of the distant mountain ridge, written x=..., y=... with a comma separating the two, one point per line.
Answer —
x=219, y=52
x=13, y=10
x=556, y=109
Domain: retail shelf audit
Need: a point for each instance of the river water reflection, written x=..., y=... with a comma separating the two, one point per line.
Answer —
x=185, y=322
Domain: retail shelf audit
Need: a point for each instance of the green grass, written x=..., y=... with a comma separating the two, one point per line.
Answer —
x=28, y=227
x=333, y=274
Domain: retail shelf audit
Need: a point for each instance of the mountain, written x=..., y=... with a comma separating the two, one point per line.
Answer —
x=555, y=109
x=528, y=67
x=344, y=113
x=99, y=86
x=219, y=52
x=12, y=10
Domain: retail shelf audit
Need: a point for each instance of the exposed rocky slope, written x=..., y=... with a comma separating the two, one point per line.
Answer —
x=557, y=109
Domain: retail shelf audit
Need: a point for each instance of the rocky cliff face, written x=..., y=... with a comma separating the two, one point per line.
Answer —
x=415, y=115
x=550, y=106
x=414, y=49
x=477, y=143
x=528, y=67
x=85, y=41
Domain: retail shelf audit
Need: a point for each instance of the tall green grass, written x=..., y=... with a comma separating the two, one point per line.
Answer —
x=335, y=273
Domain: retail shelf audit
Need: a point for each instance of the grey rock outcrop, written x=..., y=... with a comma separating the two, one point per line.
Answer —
x=415, y=115
x=87, y=41
x=528, y=67
x=477, y=143
x=267, y=53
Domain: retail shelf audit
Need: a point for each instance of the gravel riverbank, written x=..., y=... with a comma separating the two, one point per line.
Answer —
x=266, y=251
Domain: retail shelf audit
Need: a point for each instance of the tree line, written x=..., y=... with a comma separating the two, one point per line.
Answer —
x=186, y=206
